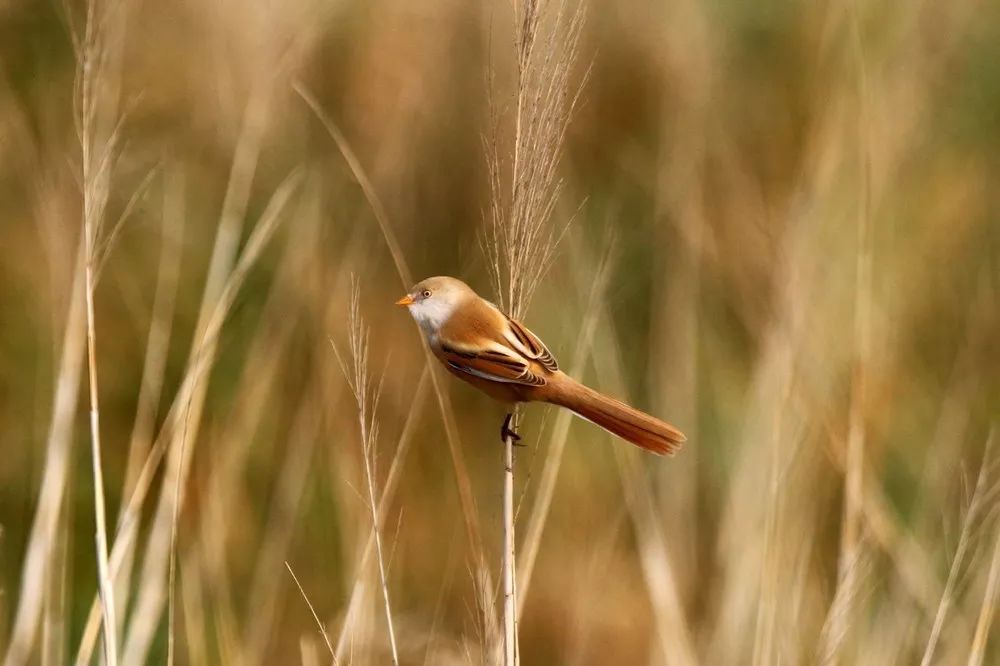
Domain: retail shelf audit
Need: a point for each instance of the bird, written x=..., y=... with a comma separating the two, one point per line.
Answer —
x=480, y=344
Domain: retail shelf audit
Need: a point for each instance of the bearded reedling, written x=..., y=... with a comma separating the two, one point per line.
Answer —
x=498, y=355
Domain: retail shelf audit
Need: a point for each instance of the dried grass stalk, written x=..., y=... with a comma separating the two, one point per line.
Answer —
x=519, y=238
x=366, y=396
x=973, y=513
x=98, y=123
x=40, y=551
x=986, y=611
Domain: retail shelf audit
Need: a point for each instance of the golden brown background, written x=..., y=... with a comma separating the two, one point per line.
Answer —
x=783, y=237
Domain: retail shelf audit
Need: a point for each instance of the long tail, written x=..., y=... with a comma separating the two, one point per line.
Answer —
x=616, y=417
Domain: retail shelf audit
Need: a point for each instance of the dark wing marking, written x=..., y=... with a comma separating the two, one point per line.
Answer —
x=492, y=364
x=531, y=346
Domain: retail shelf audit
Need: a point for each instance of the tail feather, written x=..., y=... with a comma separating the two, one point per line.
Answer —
x=618, y=418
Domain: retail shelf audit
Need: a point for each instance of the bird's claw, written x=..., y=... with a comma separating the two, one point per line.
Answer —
x=506, y=431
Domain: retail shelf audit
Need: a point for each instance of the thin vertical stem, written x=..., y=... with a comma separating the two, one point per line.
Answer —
x=373, y=506
x=519, y=241
x=509, y=586
x=97, y=151
x=103, y=570
x=367, y=398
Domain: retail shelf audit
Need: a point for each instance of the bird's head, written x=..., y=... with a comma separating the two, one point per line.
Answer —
x=432, y=301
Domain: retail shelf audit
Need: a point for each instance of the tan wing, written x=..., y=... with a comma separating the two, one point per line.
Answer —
x=494, y=364
x=528, y=344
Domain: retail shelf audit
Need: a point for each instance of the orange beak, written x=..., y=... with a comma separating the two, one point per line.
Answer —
x=405, y=300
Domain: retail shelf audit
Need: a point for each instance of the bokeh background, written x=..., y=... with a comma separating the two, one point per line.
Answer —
x=783, y=236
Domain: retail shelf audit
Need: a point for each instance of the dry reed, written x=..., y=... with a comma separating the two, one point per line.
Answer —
x=355, y=366
x=804, y=280
x=98, y=126
x=520, y=236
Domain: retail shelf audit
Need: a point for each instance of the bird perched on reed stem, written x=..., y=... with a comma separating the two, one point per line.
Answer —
x=498, y=355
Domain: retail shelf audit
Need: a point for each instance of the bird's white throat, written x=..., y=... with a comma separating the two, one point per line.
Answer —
x=431, y=314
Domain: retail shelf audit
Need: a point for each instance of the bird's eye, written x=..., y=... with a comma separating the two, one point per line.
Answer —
x=426, y=293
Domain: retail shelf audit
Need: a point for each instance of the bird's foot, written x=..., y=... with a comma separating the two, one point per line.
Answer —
x=506, y=431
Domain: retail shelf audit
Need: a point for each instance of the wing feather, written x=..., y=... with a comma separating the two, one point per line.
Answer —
x=528, y=344
x=493, y=364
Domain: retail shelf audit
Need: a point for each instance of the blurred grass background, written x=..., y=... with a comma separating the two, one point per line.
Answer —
x=797, y=208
